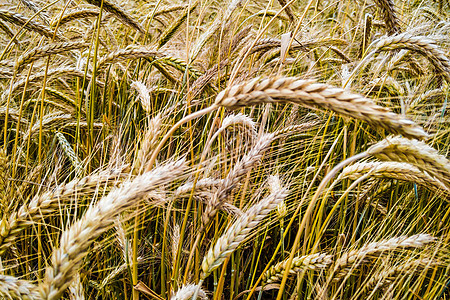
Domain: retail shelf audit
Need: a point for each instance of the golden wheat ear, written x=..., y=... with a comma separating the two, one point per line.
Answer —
x=311, y=94
x=76, y=240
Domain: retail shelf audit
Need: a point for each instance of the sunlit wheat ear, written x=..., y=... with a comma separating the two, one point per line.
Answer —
x=240, y=120
x=4, y=26
x=132, y=52
x=311, y=94
x=114, y=9
x=49, y=122
x=219, y=21
x=414, y=152
x=13, y=288
x=20, y=20
x=77, y=14
x=75, y=240
x=187, y=291
x=68, y=150
x=35, y=8
x=351, y=259
x=395, y=170
x=76, y=290
x=46, y=204
x=317, y=261
x=421, y=44
x=144, y=95
x=148, y=142
x=388, y=9
x=237, y=233
x=242, y=167
x=386, y=276
x=43, y=51
x=61, y=72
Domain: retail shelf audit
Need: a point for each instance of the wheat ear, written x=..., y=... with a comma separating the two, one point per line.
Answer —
x=75, y=240
x=421, y=44
x=13, y=288
x=47, y=50
x=114, y=9
x=242, y=167
x=388, y=9
x=351, y=259
x=385, y=276
x=311, y=94
x=395, y=170
x=414, y=152
x=187, y=292
x=307, y=262
x=46, y=204
x=21, y=20
x=132, y=52
x=78, y=14
x=233, y=236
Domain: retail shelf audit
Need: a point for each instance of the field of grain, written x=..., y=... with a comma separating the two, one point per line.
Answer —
x=224, y=149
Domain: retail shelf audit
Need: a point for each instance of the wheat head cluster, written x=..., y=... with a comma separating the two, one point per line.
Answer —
x=224, y=149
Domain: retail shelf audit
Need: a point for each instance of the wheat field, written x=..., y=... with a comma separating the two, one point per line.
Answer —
x=224, y=149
